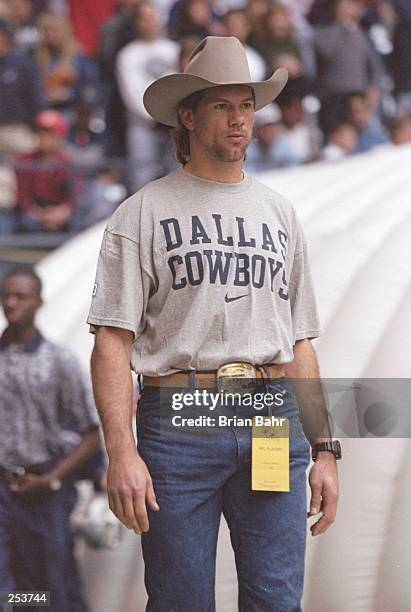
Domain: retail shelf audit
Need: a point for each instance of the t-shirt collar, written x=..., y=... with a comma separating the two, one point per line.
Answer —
x=30, y=346
x=215, y=185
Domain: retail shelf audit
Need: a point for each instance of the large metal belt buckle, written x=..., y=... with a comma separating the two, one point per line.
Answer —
x=237, y=377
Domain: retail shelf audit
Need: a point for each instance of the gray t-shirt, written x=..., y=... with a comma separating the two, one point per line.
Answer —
x=205, y=273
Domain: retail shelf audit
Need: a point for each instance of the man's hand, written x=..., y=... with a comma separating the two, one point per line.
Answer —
x=323, y=481
x=30, y=485
x=129, y=488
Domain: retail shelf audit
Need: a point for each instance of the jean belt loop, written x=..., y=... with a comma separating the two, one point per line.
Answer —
x=192, y=380
x=266, y=373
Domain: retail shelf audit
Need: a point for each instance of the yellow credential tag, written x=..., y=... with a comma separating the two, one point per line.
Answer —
x=270, y=454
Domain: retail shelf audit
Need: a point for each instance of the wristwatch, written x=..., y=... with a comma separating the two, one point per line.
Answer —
x=55, y=484
x=333, y=447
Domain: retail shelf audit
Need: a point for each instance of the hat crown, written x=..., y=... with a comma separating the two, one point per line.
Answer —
x=220, y=60
x=216, y=61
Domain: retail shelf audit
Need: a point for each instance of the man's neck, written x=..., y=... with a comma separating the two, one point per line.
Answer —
x=148, y=38
x=19, y=335
x=350, y=23
x=220, y=172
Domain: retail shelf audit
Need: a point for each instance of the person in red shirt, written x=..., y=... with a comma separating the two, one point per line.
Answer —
x=45, y=179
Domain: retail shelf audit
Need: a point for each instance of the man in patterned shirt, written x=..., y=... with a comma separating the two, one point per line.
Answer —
x=43, y=396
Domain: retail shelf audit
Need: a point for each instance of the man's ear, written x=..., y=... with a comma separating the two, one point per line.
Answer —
x=186, y=116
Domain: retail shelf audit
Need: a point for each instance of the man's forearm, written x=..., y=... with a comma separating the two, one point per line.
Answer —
x=304, y=374
x=129, y=484
x=86, y=449
x=113, y=388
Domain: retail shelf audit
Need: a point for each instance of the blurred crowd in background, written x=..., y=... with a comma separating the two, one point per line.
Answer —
x=75, y=138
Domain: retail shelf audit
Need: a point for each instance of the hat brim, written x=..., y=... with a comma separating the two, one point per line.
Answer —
x=162, y=97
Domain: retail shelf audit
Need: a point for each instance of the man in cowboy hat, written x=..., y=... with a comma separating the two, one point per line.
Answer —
x=203, y=282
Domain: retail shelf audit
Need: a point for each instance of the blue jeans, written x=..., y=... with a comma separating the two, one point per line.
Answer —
x=36, y=547
x=199, y=474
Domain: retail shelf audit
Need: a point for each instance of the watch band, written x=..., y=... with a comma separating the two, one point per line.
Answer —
x=333, y=446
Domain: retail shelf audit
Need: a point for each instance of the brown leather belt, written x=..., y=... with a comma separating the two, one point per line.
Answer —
x=208, y=380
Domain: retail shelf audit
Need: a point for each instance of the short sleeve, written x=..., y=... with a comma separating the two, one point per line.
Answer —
x=303, y=304
x=119, y=297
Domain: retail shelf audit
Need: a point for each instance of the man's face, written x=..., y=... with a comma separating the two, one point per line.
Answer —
x=238, y=25
x=403, y=135
x=147, y=24
x=347, y=10
x=20, y=300
x=267, y=133
x=127, y=5
x=20, y=10
x=222, y=125
x=48, y=141
x=293, y=112
x=345, y=137
x=278, y=22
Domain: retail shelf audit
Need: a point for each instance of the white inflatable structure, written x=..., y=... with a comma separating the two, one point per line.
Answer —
x=357, y=218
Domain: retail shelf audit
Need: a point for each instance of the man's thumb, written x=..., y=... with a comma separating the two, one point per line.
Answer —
x=151, y=497
x=315, y=502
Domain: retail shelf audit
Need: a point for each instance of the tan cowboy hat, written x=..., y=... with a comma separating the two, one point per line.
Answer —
x=217, y=60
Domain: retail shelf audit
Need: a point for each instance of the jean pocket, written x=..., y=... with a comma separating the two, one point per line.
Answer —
x=285, y=401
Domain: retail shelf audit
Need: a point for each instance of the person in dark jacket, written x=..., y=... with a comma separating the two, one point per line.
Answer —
x=20, y=95
x=346, y=61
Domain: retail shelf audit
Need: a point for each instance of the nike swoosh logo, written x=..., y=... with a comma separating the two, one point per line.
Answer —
x=233, y=299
